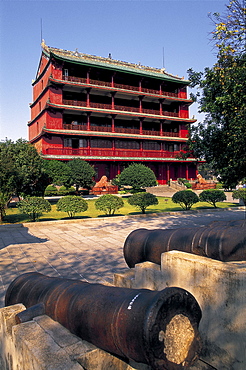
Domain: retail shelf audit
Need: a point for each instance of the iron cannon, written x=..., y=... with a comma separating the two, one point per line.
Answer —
x=223, y=241
x=159, y=328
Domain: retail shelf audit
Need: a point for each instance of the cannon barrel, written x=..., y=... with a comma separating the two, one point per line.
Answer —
x=159, y=328
x=223, y=241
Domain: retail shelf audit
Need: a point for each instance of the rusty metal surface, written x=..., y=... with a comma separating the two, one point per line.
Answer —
x=139, y=324
x=223, y=241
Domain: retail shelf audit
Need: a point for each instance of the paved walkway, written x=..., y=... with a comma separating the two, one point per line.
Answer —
x=85, y=249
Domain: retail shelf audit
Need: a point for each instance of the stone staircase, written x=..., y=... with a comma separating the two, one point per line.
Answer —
x=161, y=190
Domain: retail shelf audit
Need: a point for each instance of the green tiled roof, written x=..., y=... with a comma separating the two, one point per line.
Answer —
x=108, y=63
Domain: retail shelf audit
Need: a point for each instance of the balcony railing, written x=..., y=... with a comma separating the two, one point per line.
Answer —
x=119, y=86
x=120, y=130
x=125, y=153
x=78, y=103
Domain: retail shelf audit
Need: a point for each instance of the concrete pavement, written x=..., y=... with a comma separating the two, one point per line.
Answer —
x=86, y=249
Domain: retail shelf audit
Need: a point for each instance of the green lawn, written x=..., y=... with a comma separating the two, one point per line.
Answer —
x=165, y=205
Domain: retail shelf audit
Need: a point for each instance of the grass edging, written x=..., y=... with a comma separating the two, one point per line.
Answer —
x=109, y=218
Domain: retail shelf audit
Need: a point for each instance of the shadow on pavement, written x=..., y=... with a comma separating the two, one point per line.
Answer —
x=17, y=234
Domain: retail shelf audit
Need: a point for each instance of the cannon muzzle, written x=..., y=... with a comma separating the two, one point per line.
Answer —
x=223, y=241
x=159, y=328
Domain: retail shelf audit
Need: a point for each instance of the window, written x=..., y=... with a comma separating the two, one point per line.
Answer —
x=101, y=143
x=82, y=143
x=67, y=142
x=151, y=145
x=75, y=143
x=127, y=144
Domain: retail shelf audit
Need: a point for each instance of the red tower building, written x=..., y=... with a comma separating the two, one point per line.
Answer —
x=110, y=113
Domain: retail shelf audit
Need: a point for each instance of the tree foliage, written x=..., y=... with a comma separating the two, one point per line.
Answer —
x=143, y=200
x=59, y=173
x=24, y=167
x=71, y=204
x=229, y=29
x=82, y=173
x=137, y=175
x=240, y=194
x=8, y=177
x=21, y=171
x=221, y=95
x=185, y=198
x=34, y=207
x=109, y=203
x=212, y=196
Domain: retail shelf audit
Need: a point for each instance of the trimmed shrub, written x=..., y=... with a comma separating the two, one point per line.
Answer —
x=188, y=184
x=142, y=200
x=212, y=196
x=50, y=191
x=185, y=198
x=134, y=191
x=136, y=175
x=240, y=194
x=109, y=203
x=71, y=204
x=66, y=191
x=184, y=182
x=34, y=207
x=219, y=186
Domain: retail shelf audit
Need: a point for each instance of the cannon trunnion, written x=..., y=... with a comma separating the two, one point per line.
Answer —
x=159, y=328
x=223, y=241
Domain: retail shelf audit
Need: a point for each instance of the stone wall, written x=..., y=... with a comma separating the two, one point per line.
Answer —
x=44, y=344
x=219, y=288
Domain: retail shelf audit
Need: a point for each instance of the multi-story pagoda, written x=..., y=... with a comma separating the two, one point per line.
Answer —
x=110, y=113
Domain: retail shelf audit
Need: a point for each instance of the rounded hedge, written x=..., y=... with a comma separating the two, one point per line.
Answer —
x=71, y=204
x=143, y=200
x=185, y=198
x=34, y=207
x=212, y=196
x=109, y=203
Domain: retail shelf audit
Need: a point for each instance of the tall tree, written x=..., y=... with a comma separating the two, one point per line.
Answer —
x=221, y=95
x=82, y=173
x=59, y=173
x=24, y=167
x=8, y=177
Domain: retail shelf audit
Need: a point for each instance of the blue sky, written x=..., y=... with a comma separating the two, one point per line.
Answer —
x=133, y=31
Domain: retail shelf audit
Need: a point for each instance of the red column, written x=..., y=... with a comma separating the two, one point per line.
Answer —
x=88, y=146
x=88, y=97
x=161, y=100
x=113, y=127
x=161, y=128
x=168, y=172
x=186, y=172
x=88, y=121
x=140, y=85
x=88, y=76
x=140, y=103
x=112, y=80
x=141, y=126
x=113, y=95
